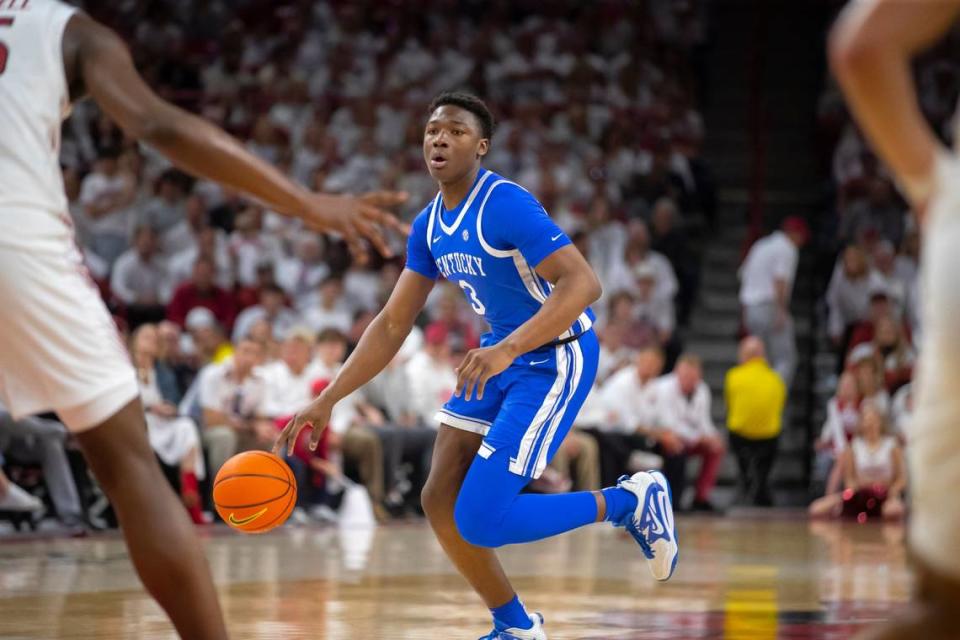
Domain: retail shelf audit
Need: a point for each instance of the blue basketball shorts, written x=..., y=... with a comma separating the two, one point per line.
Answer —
x=529, y=408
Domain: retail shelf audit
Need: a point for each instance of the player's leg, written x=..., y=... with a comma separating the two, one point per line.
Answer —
x=162, y=541
x=453, y=453
x=59, y=350
x=538, y=410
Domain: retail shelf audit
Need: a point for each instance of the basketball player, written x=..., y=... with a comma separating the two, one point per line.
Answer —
x=518, y=394
x=59, y=348
x=870, y=51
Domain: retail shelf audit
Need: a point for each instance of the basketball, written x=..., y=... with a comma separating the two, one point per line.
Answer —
x=254, y=492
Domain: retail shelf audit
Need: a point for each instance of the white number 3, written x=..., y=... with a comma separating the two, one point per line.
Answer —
x=474, y=300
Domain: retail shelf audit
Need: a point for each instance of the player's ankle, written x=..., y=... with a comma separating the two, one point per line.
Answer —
x=512, y=615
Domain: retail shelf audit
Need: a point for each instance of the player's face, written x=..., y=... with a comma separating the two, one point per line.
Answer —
x=453, y=143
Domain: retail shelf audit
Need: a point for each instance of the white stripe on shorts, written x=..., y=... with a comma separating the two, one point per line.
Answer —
x=543, y=415
x=541, y=458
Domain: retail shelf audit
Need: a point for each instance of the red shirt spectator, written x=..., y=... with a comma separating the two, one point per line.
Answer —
x=200, y=291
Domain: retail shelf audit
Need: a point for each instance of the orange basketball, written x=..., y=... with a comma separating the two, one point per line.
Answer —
x=255, y=491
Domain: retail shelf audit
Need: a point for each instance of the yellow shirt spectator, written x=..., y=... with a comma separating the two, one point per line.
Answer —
x=755, y=396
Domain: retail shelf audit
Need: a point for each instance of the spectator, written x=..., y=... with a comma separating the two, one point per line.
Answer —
x=885, y=268
x=174, y=438
x=874, y=475
x=272, y=308
x=755, y=397
x=170, y=353
x=183, y=234
x=614, y=354
x=766, y=284
x=200, y=291
x=140, y=279
x=877, y=213
x=431, y=375
x=15, y=499
x=166, y=209
x=639, y=256
x=843, y=420
x=869, y=376
x=652, y=310
x=622, y=318
x=290, y=380
x=865, y=330
x=210, y=244
x=330, y=309
x=250, y=247
x=896, y=354
x=249, y=295
x=206, y=341
x=683, y=408
x=106, y=194
x=848, y=296
x=901, y=412
x=577, y=462
x=628, y=419
x=35, y=440
x=232, y=396
x=670, y=241
x=351, y=433
x=305, y=270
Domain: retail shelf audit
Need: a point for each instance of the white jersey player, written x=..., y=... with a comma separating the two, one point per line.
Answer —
x=870, y=51
x=59, y=349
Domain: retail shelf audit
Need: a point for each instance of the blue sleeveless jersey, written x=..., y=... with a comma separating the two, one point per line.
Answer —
x=490, y=246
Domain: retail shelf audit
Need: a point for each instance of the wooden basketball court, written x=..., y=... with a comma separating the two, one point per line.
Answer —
x=737, y=578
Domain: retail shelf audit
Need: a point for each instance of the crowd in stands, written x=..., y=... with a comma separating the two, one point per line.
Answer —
x=871, y=310
x=236, y=317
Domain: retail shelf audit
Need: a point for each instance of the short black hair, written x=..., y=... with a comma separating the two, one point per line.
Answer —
x=471, y=103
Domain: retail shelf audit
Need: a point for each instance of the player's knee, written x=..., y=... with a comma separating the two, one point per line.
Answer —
x=437, y=503
x=475, y=524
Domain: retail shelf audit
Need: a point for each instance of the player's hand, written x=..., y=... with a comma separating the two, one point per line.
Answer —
x=357, y=218
x=478, y=366
x=316, y=415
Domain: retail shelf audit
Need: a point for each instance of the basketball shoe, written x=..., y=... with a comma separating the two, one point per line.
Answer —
x=535, y=632
x=651, y=524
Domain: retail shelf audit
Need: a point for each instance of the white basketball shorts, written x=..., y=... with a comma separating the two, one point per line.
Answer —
x=933, y=437
x=59, y=347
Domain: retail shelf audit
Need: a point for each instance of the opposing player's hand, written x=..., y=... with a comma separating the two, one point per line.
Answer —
x=316, y=415
x=478, y=366
x=357, y=218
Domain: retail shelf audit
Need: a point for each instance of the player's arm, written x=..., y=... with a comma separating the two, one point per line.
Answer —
x=377, y=347
x=870, y=51
x=97, y=62
x=575, y=287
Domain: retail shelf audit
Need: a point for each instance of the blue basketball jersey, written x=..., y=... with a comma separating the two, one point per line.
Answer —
x=490, y=245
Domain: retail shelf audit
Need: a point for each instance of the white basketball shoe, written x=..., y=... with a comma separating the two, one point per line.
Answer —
x=651, y=524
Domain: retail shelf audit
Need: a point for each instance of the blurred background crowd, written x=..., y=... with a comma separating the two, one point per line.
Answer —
x=236, y=317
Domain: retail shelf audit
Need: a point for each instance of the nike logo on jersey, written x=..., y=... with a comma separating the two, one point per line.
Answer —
x=651, y=523
x=437, y=239
x=556, y=237
x=540, y=362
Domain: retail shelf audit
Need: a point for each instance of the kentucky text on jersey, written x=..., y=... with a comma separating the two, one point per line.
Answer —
x=460, y=263
x=490, y=245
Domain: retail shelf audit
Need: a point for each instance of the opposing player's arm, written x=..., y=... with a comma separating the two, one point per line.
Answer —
x=377, y=347
x=97, y=62
x=870, y=51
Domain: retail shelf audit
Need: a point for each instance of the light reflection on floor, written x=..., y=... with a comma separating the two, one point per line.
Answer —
x=737, y=578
